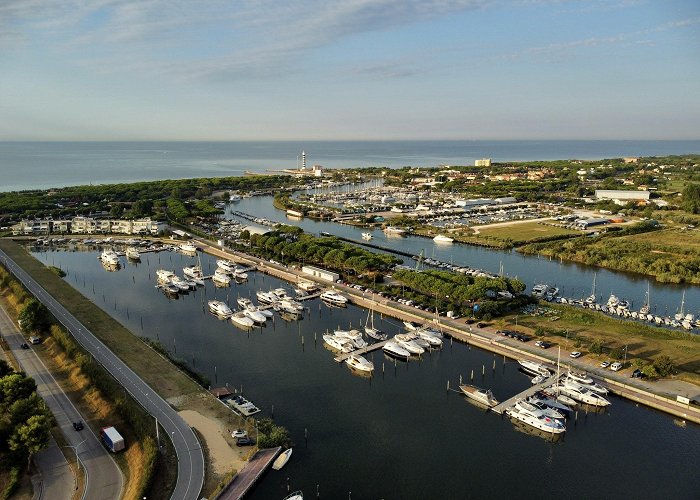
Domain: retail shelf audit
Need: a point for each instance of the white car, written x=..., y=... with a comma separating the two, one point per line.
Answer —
x=616, y=366
x=239, y=433
x=575, y=354
x=604, y=364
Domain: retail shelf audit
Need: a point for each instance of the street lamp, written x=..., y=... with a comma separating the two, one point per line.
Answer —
x=77, y=453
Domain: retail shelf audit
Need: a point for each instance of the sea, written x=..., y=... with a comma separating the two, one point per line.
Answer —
x=45, y=165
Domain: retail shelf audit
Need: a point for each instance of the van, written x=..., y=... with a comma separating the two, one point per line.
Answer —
x=35, y=340
x=616, y=366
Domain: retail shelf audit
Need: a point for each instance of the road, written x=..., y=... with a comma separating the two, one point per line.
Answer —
x=103, y=478
x=190, y=458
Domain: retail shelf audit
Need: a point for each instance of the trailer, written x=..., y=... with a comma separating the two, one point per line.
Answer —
x=112, y=439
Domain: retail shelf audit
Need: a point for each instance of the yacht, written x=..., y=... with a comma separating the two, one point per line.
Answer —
x=241, y=320
x=483, y=396
x=393, y=349
x=234, y=197
x=534, y=367
x=440, y=238
x=164, y=275
x=109, y=257
x=580, y=377
x=220, y=308
x=257, y=316
x=591, y=386
x=220, y=279
x=591, y=299
x=342, y=345
x=394, y=230
x=367, y=236
x=188, y=247
x=427, y=335
x=542, y=398
x=537, y=421
x=225, y=265
x=411, y=326
x=539, y=290
x=181, y=283
x=132, y=253
x=307, y=286
x=359, y=363
x=334, y=297
x=613, y=301
x=290, y=304
x=193, y=271
x=248, y=305
x=583, y=394
x=353, y=336
x=407, y=343
x=266, y=297
x=535, y=408
x=239, y=274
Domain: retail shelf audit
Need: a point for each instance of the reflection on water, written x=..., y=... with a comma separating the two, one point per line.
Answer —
x=398, y=434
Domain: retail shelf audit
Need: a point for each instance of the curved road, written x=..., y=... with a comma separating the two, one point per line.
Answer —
x=190, y=458
x=104, y=480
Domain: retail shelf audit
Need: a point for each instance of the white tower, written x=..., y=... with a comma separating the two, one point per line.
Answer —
x=303, y=160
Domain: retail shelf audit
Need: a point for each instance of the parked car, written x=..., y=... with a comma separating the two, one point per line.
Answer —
x=245, y=441
x=480, y=325
x=637, y=373
x=24, y=345
x=575, y=354
x=616, y=366
x=543, y=344
x=78, y=426
x=604, y=364
x=239, y=433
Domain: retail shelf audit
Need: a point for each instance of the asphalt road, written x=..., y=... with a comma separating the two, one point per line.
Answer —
x=190, y=467
x=103, y=478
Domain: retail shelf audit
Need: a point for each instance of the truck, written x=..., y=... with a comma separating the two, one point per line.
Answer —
x=112, y=439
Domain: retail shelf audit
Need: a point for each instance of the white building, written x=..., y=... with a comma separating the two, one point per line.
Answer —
x=88, y=225
x=621, y=196
x=317, y=272
x=484, y=162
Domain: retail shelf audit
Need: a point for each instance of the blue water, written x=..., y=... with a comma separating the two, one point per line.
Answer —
x=43, y=165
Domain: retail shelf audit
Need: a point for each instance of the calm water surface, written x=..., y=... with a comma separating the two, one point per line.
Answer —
x=399, y=434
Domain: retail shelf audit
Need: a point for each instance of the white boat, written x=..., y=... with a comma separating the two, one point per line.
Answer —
x=359, y=363
x=132, y=253
x=367, y=236
x=220, y=279
x=441, y=238
x=188, y=247
x=583, y=394
x=411, y=326
x=257, y=316
x=591, y=386
x=181, y=283
x=407, y=343
x=427, y=335
x=109, y=257
x=193, y=271
x=537, y=408
x=395, y=350
x=169, y=288
x=240, y=319
x=483, y=396
x=580, y=377
x=539, y=421
x=534, y=367
x=337, y=343
x=295, y=495
x=334, y=297
x=220, y=308
x=225, y=265
x=613, y=301
x=266, y=297
x=282, y=459
x=239, y=274
x=164, y=276
x=539, y=290
x=234, y=197
x=353, y=336
x=289, y=304
x=591, y=299
x=371, y=330
x=394, y=230
x=307, y=286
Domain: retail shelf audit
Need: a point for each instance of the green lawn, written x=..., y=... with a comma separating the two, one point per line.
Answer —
x=524, y=232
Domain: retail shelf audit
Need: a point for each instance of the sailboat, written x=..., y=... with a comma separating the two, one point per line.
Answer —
x=680, y=315
x=591, y=298
x=370, y=329
x=646, y=307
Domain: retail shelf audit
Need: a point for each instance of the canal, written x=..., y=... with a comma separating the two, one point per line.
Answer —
x=399, y=434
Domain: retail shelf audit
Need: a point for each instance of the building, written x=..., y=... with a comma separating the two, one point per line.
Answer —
x=631, y=160
x=256, y=230
x=319, y=273
x=586, y=223
x=88, y=225
x=484, y=162
x=621, y=195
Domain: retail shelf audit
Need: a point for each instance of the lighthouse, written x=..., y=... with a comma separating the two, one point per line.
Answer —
x=303, y=160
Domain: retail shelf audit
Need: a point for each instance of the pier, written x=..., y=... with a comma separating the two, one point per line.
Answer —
x=530, y=391
x=249, y=475
x=364, y=350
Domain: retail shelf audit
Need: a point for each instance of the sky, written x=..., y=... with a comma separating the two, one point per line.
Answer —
x=354, y=69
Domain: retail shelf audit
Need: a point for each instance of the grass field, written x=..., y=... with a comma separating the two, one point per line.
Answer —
x=683, y=241
x=522, y=232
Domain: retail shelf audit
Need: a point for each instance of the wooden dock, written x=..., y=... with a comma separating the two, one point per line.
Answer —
x=530, y=391
x=364, y=350
x=249, y=475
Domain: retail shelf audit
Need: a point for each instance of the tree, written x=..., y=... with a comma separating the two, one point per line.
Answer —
x=14, y=387
x=34, y=317
x=5, y=368
x=664, y=365
x=31, y=437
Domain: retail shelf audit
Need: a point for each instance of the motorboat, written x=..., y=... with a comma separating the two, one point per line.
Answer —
x=239, y=274
x=535, y=407
x=290, y=304
x=429, y=337
x=132, y=253
x=307, y=286
x=295, y=495
x=188, y=247
x=542, y=398
x=613, y=301
x=441, y=238
x=411, y=326
x=282, y=459
x=280, y=293
x=592, y=386
x=246, y=304
x=539, y=290
x=219, y=308
x=220, y=279
x=534, y=367
x=580, y=377
x=538, y=421
x=334, y=297
x=394, y=349
x=367, y=236
x=359, y=363
x=225, y=265
x=354, y=336
x=193, y=271
x=583, y=394
x=538, y=379
x=337, y=343
x=164, y=276
x=266, y=297
x=109, y=257
x=170, y=289
x=182, y=284
x=394, y=230
x=406, y=341
x=483, y=396
x=241, y=320
x=234, y=197
x=257, y=316
x=291, y=316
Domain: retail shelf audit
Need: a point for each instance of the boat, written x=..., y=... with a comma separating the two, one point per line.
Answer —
x=370, y=329
x=334, y=297
x=680, y=315
x=257, y=316
x=539, y=290
x=646, y=308
x=583, y=394
x=580, y=377
x=182, y=284
x=247, y=304
x=613, y=301
x=132, y=253
x=538, y=379
x=109, y=257
x=337, y=343
x=220, y=308
x=411, y=326
x=234, y=197
x=395, y=350
x=170, y=289
x=536, y=420
x=406, y=341
x=367, y=236
x=353, y=336
x=164, y=275
x=239, y=274
x=188, y=247
x=307, y=286
x=534, y=367
x=266, y=297
x=427, y=335
x=534, y=406
x=359, y=363
x=220, y=279
x=541, y=397
x=225, y=265
x=592, y=386
x=193, y=271
x=591, y=299
x=290, y=304
x=282, y=459
x=483, y=396
x=441, y=238
x=295, y=495
x=240, y=319
x=394, y=230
